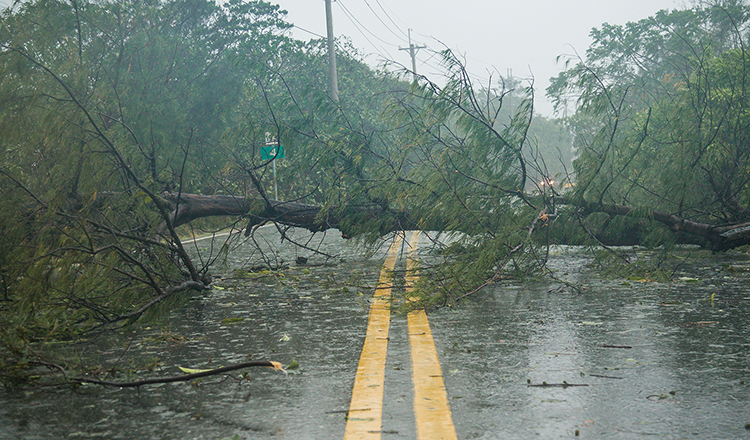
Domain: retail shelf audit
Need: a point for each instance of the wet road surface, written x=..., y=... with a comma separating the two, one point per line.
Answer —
x=641, y=359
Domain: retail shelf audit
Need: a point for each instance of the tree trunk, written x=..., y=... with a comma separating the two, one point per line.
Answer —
x=721, y=238
x=188, y=207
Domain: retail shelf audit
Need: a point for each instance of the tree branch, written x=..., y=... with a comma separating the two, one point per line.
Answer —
x=183, y=378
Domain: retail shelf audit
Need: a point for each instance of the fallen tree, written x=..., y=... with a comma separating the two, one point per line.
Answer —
x=718, y=237
x=188, y=207
x=94, y=244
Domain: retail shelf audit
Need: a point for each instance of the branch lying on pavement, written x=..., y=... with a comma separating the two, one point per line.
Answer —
x=558, y=385
x=183, y=378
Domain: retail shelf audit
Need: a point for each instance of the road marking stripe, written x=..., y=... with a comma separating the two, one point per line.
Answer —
x=367, y=394
x=431, y=409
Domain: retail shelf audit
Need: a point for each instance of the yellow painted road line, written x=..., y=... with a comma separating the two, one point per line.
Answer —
x=431, y=409
x=365, y=418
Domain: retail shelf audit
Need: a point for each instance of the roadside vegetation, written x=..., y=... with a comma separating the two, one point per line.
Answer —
x=126, y=127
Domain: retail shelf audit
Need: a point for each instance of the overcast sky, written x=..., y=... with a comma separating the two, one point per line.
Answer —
x=492, y=35
x=496, y=36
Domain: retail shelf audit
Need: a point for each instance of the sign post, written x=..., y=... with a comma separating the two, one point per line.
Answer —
x=272, y=151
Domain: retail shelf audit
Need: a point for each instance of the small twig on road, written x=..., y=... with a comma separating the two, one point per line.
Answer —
x=604, y=376
x=558, y=385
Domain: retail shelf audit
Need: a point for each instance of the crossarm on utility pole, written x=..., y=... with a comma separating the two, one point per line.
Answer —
x=413, y=53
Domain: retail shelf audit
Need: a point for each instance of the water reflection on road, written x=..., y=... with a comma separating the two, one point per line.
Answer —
x=656, y=359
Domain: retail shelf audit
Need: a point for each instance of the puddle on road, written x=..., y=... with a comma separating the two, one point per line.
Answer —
x=683, y=376
x=654, y=359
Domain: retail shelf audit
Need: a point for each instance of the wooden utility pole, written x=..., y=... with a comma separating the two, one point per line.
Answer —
x=413, y=52
x=334, y=82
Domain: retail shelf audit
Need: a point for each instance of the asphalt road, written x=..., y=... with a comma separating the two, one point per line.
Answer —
x=617, y=359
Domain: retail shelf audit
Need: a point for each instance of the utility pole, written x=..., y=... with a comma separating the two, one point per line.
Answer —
x=334, y=82
x=413, y=52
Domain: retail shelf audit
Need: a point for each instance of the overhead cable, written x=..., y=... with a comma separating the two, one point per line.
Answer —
x=359, y=27
x=389, y=18
x=358, y=24
x=383, y=23
x=309, y=32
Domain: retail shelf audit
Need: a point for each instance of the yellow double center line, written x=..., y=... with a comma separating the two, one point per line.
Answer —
x=365, y=419
x=431, y=409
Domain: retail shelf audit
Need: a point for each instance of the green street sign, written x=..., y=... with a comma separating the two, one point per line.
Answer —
x=268, y=153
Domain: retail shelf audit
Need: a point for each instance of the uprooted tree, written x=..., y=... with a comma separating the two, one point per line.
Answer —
x=122, y=124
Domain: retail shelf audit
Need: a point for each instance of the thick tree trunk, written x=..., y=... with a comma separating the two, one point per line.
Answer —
x=188, y=207
x=721, y=238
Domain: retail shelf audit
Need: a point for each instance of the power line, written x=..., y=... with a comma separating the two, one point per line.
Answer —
x=360, y=26
x=382, y=22
x=309, y=32
x=389, y=18
x=364, y=30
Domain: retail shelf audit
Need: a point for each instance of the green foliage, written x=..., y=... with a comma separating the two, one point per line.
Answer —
x=662, y=114
x=636, y=267
x=103, y=105
x=458, y=164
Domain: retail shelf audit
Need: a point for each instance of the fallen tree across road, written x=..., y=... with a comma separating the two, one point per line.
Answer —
x=719, y=237
x=188, y=207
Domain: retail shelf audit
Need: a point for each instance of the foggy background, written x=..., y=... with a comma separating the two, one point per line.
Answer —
x=492, y=36
x=498, y=38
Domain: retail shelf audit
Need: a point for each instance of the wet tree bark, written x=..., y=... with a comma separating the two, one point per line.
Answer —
x=721, y=238
x=188, y=207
